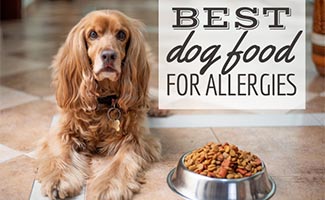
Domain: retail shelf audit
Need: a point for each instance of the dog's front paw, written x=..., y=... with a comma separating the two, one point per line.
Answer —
x=114, y=189
x=59, y=189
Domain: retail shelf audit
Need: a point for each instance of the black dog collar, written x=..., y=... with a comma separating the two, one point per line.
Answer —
x=108, y=100
x=113, y=113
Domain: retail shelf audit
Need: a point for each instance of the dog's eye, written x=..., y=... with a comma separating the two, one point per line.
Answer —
x=121, y=35
x=93, y=35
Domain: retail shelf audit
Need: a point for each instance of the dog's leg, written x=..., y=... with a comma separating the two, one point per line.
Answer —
x=61, y=170
x=123, y=176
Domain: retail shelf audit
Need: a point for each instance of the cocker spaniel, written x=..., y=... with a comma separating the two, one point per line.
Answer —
x=101, y=76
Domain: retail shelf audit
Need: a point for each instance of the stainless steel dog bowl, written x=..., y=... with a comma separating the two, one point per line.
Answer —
x=194, y=186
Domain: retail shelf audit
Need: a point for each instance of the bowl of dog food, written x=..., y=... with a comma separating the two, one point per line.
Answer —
x=221, y=172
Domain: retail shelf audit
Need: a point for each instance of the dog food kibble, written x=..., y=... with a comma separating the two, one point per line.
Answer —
x=223, y=161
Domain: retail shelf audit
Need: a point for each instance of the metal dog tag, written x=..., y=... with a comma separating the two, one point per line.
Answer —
x=116, y=125
x=115, y=122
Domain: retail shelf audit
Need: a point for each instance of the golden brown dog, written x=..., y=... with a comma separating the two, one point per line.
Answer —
x=101, y=78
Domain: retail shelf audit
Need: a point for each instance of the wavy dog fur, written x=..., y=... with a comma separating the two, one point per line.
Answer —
x=83, y=131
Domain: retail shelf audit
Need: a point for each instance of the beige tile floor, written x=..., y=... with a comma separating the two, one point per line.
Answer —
x=294, y=155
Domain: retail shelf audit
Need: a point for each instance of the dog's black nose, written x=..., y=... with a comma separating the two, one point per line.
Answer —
x=108, y=56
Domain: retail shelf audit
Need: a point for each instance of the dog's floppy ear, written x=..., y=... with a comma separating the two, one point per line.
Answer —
x=135, y=70
x=71, y=66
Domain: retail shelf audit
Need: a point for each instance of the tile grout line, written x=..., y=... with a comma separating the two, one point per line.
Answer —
x=31, y=96
x=31, y=154
x=214, y=134
x=14, y=153
x=17, y=153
